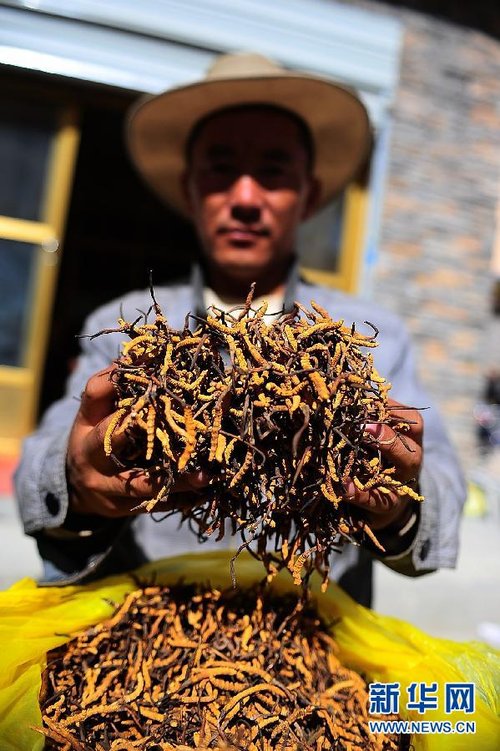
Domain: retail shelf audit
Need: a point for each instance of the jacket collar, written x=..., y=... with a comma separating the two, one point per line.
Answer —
x=197, y=282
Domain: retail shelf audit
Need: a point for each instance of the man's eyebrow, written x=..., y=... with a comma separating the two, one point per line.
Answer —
x=218, y=150
x=277, y=155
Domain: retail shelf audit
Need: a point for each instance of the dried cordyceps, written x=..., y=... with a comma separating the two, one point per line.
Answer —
x=275, y=412
x=180, y=669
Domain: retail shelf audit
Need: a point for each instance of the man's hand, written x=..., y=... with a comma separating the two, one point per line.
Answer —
x=97, y=485
x=405, y=454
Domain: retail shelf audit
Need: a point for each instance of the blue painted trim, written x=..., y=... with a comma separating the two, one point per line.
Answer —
x=153, y=44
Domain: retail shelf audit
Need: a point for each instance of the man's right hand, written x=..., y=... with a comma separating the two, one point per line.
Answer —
x=96, y=484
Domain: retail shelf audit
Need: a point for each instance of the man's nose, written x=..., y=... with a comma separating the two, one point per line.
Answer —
x=246, y=199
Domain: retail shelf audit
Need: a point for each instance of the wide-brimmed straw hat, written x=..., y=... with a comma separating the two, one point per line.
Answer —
x=159, y=126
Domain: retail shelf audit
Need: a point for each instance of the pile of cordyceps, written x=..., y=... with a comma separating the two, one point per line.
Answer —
x=184, y=669
x=274, y=411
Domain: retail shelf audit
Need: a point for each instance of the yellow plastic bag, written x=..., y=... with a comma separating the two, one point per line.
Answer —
x=34, y=620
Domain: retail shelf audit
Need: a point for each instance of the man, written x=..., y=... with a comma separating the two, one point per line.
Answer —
x=247, y=154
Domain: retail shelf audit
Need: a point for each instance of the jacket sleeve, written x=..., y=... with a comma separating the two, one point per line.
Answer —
x=66, y=549
x=441, y=481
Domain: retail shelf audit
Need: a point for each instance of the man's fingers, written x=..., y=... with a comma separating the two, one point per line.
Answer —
x=392, y=443
x=91, y=439
x=192, y=482
x=380, y=509
x=138, y=484
x=142, y=484
x=122, y=495
x=99, y=481
x=372, y=500
x=118, y=441
x=98, y=397
x=401, y=448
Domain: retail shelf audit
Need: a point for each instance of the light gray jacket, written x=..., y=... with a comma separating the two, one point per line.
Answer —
x=116, y=545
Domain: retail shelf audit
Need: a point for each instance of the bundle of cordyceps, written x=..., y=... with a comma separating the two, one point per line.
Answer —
x=274, y=411
x=185, y=669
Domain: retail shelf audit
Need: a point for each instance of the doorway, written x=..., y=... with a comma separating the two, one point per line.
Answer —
x=117, y=230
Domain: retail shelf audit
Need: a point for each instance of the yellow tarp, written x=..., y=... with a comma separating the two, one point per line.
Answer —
x=34, y=620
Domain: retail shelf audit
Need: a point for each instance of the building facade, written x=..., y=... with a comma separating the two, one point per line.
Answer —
x=437, y=264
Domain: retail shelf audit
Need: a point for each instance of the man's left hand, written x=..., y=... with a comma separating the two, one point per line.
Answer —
x=400, y=449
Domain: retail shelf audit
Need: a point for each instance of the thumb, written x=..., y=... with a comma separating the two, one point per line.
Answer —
x=98, y=397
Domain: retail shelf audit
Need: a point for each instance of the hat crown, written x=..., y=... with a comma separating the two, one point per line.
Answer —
x=243, y=65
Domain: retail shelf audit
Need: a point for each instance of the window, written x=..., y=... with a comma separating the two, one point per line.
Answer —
x=37, y=152
x=331, y=243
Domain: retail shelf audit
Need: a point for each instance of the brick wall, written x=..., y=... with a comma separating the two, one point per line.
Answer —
x=439, y=211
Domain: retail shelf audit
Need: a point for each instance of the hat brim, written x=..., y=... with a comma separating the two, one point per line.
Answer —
x=158, y=128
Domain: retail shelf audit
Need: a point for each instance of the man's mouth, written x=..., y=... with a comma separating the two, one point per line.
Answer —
x=242, y=234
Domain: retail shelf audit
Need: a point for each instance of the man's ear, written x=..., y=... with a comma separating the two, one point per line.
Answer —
x=313, y=197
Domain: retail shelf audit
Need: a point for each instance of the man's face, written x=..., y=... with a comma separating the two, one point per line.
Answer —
x=249, y=186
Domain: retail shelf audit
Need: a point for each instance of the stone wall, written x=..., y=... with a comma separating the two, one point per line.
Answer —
x=438, y=226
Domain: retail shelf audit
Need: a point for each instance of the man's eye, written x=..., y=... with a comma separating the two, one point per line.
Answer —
x=221, y=168
x=272, y=170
